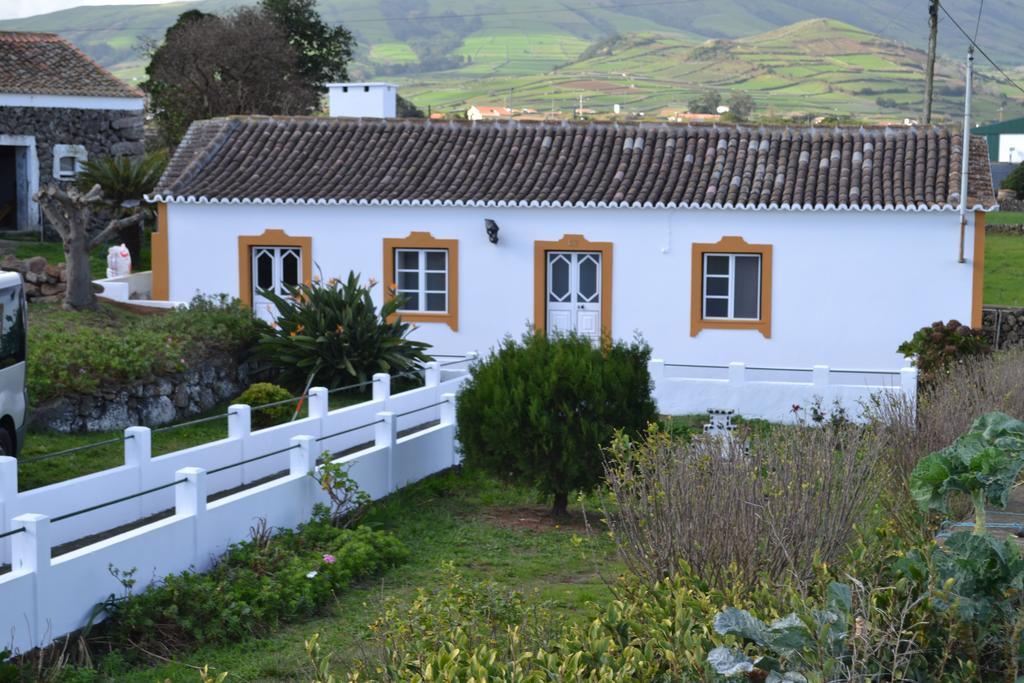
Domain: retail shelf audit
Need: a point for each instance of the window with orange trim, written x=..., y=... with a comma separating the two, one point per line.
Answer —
x=424, y=271
x=731, y=286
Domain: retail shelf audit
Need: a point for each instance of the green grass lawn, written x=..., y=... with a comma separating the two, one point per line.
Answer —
x=1005, y=218
x=460, y=517
x=60, y=468
x=1004, y=270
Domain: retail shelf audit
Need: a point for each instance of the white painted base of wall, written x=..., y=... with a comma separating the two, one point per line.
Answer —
x=783, y=395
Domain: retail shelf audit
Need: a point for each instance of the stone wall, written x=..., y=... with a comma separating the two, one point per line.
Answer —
x=100, y=131
x=156, y=402
x=1003, y=326
x=43, y=281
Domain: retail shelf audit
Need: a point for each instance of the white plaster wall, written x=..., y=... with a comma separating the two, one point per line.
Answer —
x=848, y=286
x=1011, y=148
x=72, y=101
x=371, y=100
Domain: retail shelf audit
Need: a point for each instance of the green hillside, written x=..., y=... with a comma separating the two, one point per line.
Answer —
x=643, y=54
x=815, y=67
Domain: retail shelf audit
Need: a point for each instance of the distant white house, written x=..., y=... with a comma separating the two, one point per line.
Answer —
x=769, y=245
x=484, y=113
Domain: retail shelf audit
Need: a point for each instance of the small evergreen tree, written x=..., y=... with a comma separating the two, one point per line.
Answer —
x=1015, y=181
x=540, y=411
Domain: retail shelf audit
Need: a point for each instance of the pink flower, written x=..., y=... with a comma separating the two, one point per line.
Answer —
x=329, y=559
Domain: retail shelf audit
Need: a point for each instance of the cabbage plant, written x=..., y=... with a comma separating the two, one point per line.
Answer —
x=984, y=464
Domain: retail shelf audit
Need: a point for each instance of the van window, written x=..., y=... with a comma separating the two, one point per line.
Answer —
x=12, y=327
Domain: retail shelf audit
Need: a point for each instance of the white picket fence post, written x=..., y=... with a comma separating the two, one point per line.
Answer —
x=908, y=383
x=319, y=402
x=138, y=453
x=382, y=387
x=30, y=552
x=385, y=435
x=8, y=496
x=820, y=376
x=240, y=427
x=432, y=373
x=448, y=420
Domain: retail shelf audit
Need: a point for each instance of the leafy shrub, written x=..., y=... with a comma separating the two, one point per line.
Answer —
x=83, y=351
x=262, y=393
x=539, y=411
x=252, y=589
x=771, y=502
x=333, y=334
x=1015, y=181
x=935, y=348
x=983, y=464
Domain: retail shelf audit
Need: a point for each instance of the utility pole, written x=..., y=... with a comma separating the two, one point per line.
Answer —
x=965, y=147
x=929, y=71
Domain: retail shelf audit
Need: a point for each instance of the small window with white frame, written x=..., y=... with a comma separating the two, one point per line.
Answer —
x=732, y=286
x=68, y=161
x=422, y=280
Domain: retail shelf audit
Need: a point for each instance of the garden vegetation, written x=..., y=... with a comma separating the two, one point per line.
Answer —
x=78, y=351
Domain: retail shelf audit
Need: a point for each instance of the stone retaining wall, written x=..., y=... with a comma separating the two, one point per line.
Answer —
x=1003, y=326
x=43, y=281
x=159, y=401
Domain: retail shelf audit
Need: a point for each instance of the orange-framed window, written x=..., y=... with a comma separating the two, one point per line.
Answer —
x=424, y=272
x=731, y=286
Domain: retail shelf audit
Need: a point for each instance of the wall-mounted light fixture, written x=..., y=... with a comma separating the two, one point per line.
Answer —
x=492, y=230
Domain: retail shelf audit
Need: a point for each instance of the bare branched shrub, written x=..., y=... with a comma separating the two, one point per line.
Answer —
x=775, y=503
x=945, y=411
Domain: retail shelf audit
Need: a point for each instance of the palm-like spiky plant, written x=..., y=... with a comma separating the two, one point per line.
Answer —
x=124, y=182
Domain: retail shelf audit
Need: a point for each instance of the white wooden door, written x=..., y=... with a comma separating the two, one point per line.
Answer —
x=273, y=269
x=574, y=292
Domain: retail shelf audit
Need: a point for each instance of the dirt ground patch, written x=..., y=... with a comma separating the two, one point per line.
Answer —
x=538, y=518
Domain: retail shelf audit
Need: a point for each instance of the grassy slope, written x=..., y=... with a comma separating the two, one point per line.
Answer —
x=820, y=66
x=448, y=518
x=1004, y=270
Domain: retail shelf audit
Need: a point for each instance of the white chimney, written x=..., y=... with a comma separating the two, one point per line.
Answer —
x=370, y=100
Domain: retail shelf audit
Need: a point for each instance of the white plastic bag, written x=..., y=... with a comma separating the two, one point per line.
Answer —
x=119, y=261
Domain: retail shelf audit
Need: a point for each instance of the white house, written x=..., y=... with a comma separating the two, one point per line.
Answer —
x=484, y=113
x=769, y=245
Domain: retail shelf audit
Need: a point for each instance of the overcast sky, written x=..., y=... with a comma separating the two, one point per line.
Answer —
x=15, y=9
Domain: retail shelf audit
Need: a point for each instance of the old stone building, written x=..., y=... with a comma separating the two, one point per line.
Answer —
x=58, y=108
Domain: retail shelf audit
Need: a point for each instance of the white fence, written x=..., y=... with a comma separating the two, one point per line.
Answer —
x=772, y=393
x=45, y=597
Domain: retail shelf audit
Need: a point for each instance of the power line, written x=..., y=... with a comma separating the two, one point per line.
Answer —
x=979, y=49
x=977, y=25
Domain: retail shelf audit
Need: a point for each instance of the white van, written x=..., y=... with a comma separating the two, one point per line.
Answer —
x=13, y=398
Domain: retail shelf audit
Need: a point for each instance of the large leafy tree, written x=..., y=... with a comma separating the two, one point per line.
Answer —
x=323, y=50
x=270, y=59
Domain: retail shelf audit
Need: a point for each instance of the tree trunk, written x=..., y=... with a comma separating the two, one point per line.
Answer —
x=76, y=257
x=561, y=506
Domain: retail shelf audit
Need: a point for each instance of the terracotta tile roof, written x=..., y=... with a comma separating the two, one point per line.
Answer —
x=340, y=161
x=46, y=64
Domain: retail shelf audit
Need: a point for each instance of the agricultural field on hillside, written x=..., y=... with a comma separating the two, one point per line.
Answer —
x=822, y=67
